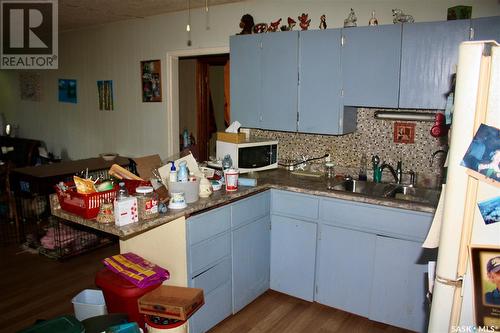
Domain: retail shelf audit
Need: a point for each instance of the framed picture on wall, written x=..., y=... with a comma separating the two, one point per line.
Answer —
x=486, y=285
x=151, y=80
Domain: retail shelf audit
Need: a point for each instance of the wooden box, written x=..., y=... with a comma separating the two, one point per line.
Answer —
x=171, y=302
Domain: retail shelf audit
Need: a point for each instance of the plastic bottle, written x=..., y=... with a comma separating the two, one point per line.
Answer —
x=185, y=139
x=182, y=174
x=227, y=162
x=173, y=173
x=122, y=192
x=362, y=168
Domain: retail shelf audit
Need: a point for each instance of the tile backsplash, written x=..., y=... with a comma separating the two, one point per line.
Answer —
x=373, y=136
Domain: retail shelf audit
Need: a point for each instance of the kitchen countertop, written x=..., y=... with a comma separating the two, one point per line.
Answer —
x=273, y=179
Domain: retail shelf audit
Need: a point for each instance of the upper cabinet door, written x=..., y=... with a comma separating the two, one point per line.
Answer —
x=486, y=28
x=428, y=60
x=320, y=82
x=370, y=65
x=245, y=79
x=279, y=81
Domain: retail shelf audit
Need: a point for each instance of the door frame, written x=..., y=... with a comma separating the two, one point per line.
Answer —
x=172, y=76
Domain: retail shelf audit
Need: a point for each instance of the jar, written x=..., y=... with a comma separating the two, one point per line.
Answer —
x=147, y=202
x=329, y=170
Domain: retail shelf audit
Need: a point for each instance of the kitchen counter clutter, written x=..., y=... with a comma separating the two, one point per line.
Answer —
x=274, y=179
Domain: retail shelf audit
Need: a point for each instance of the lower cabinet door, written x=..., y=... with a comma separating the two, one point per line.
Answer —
x=217, y=307
x=251, y=247
x=344, y=269
x=398, y=290
x=293, y=256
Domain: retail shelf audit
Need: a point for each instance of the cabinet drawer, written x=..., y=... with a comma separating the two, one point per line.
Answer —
x=216, y=308
x=293, y=204
x=204, y=254
x=384, y=220
x=250, y=209
x=206, y=225
x=213, y=277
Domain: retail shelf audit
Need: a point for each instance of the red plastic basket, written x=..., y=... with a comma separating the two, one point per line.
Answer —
x=84, y=205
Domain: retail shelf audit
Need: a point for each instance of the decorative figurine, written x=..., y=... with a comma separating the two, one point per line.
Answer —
x=304, y=21
x=260, y=28
x=350, y=21
x=246, y=24
x=322, y=22
x=373, y=21
x=273, y=26
x=291, y=23
x=400, y=17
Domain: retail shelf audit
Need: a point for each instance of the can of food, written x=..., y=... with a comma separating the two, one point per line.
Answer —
x=231, y=177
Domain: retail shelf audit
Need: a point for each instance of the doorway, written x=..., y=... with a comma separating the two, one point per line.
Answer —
x=204, y=106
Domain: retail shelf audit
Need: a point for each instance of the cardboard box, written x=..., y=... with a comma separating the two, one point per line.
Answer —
x=171, y=302
x=231, y=137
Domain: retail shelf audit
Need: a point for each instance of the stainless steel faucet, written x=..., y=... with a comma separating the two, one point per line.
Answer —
x=397, y=174
x=434, y=155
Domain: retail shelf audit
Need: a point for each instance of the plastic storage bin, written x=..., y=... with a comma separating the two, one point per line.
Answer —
x=191, y=190
x=66, y=324
x=121, y=296
x=89, y=303
x=170, y=326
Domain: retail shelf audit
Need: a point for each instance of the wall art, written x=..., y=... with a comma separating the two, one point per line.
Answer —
x=151, y=80
x=105, y=93
x=30, y=86
x=67, y=91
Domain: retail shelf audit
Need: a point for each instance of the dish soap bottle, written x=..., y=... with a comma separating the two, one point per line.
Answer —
x=362, y=168
x=173, y=173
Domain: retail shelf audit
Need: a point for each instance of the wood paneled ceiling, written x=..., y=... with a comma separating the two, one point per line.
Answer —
x=76, y=14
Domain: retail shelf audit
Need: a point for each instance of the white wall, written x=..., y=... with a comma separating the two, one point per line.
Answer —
x=113, y=52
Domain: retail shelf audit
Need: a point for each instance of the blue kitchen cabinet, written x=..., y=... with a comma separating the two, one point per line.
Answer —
x=279, y=61
x=344, y=269
x=251, y=234
x=209, y=266
x=251, y=253
x=321, y=109
x=293, y=256
x=486, y=28
x=246, y=79
x=429, y=56
x=371, y=59
x=398, y=290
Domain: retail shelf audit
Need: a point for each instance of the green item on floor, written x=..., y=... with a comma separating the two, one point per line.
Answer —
x=124, y=328
x=63, y=324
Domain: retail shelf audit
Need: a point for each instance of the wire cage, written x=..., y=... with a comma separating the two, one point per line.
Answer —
x=63, y=239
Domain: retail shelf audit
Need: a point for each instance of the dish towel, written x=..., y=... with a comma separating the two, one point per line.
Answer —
x=136, y=269
x=432, y=239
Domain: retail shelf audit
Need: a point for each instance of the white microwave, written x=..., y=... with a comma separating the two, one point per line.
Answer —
x=252, y=155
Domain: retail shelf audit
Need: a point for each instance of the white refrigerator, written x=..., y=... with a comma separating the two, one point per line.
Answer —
x=477, y=100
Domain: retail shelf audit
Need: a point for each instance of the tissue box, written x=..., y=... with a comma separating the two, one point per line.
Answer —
x=126, y=211
x=231, y=137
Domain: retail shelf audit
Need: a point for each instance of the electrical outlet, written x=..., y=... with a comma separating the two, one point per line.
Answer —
x=328, y=158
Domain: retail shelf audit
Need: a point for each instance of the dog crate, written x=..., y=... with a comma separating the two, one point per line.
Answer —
x=62, y=239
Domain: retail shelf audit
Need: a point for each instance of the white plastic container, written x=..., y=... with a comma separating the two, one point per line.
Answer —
x=191, y=189
x=89, y=303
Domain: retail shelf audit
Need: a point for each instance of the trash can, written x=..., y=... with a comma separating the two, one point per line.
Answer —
x=89, y=303
x=156, y=324
x=121, y=295
x=66, y=324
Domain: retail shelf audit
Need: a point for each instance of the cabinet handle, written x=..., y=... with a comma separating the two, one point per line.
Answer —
x=471, y=33
x=342, y=40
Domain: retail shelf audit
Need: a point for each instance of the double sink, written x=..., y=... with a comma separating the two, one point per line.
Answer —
x=391, y=191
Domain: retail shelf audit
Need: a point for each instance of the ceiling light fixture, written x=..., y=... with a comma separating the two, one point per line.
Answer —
x=188, y=26
x=207, y=26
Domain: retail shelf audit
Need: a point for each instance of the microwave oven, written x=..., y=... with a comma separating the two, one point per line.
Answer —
x=252, y=155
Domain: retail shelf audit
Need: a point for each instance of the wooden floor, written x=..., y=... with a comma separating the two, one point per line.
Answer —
x=34, y=287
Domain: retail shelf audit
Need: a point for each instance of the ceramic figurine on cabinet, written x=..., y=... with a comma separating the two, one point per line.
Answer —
x=322, y=22
x=400, y=17
x=260, y=28
x=304, y=21
x=246, y=24
x=350, y=21
x=373, y=21
x=273, y=26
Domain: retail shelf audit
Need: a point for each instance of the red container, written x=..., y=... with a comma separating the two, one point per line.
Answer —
x=121, y=296
x=132, y=184
x=84, y=205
